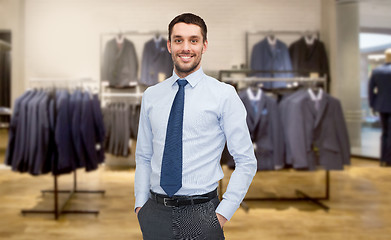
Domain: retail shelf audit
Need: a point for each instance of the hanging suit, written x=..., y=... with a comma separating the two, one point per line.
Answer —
x=309, y=58
x=156, y=59
x=380, y=101
x=316, y=137
x=264, y=57
x=265, y=131
x=120, y=64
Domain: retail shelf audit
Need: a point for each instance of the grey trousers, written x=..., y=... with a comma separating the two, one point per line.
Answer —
x=198, y=222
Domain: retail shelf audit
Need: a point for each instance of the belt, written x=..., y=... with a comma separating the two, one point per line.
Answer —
x=177, y=201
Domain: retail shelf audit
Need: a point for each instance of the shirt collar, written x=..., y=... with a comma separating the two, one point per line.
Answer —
x=192, y=79
x=315, y=97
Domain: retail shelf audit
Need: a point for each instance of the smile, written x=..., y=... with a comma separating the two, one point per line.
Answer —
x=185, y=58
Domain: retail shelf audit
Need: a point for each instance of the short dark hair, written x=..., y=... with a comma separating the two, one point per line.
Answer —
x=188, y=18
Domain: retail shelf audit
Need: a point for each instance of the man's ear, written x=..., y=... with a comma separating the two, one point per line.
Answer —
x=169, y=46
x=205, y=46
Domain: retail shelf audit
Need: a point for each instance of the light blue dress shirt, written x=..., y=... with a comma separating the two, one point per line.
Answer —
x=213, y=114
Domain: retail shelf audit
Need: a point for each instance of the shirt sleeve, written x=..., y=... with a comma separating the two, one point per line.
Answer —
x=234, y=125
x=144, y=150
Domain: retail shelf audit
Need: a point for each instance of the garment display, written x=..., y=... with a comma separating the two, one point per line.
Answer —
x=44, y=137
x=264, y=124
x=315, y=131
x=308, y=57
x=379, y=94
x=271, y=57
x=156, y=62
x=120, y=64
x=121, y=124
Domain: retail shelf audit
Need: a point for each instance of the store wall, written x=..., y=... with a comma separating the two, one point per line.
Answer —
x=12, y=18
x=63, y=37
x=375, y=14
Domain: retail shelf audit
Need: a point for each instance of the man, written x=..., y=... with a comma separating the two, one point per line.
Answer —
x=185, y=122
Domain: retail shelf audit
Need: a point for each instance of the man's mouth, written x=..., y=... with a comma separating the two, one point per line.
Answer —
x=185, y=58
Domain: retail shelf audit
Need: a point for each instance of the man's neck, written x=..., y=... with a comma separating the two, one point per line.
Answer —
x=185, y=74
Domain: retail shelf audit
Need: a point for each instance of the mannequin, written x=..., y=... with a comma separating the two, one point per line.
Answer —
x=380, y=101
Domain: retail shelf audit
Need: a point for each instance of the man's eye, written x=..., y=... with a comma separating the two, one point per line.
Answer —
x=178, y=41
x=194, y=41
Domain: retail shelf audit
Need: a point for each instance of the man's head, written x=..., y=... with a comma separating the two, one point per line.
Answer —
x=186, y=43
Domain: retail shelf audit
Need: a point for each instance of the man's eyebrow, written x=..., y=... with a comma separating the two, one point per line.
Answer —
x=180, y=36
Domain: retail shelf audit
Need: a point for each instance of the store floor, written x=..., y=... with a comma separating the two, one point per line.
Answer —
x=359, y=204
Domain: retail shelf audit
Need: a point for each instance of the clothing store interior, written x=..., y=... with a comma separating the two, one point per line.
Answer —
x=96, y=58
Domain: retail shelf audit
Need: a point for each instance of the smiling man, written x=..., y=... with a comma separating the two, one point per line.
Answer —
x=185, y=122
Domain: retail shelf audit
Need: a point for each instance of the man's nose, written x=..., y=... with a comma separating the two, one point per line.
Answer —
x=186, y=46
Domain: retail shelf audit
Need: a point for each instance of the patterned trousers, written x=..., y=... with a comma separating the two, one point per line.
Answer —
x=191, y=222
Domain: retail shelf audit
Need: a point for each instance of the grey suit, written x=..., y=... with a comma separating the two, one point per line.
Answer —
x=307, y=129
x=120, y=64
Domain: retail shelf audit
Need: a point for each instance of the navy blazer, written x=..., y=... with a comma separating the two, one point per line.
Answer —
x=380, y=79
x=155, y=60
x=265, y=129
x=88, y=134
x=63, y=135
x=13, y=130
x=267, y=58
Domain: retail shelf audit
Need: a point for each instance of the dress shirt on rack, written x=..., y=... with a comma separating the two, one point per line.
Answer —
x=42, y=133
x=120, y=64
x=155, y=60
x=266, y=57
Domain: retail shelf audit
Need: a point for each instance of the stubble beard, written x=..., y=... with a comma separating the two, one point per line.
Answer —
x=186, y=70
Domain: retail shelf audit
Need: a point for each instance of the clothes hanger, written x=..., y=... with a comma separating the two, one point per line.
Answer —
x=271, y=38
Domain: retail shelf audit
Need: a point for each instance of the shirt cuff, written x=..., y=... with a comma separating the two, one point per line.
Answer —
x=226, y=209
x=141, y=199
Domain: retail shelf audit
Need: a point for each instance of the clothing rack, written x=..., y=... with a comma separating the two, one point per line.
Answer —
x=301, y=195
x=272, y=32
x=57, y=208
x=138, y=92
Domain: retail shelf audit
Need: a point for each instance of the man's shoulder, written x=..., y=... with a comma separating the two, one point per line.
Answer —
x=219, y=85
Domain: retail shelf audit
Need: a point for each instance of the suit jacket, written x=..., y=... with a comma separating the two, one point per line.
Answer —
x=120, y=64
x=265, y=130
x=81, y=155
x=309, y=58
x=99, y=127
x=316, y=137
x=13, y=130
x=43, y=137
x=267, y=58
x=155, y=60
x=380, y=79
x=21, y=147
x=63, y=135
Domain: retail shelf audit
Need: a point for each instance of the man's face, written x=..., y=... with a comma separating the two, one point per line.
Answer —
x=186, y=48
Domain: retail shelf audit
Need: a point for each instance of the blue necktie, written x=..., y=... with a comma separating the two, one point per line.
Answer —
x=171, y=172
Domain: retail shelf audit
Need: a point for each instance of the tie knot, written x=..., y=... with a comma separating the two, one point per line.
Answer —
x=182, y=82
